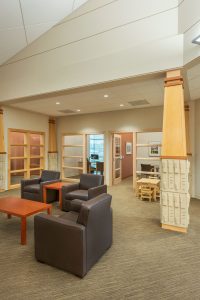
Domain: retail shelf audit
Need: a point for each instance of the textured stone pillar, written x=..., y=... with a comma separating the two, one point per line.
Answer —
x=175, y=166
x=3, y=155
x=53, y=153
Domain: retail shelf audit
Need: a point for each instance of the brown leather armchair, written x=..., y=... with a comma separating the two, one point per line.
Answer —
x=90, y=186
x=32, y=189
x=76, y=240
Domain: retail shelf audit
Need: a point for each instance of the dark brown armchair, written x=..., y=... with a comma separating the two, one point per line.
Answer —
x=76, y=240
x=90, y=186
x=32, y=189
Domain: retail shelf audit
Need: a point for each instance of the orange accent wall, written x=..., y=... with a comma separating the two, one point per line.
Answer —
x=127, y=161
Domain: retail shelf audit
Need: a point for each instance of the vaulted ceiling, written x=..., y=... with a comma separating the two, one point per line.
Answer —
x=23, y=21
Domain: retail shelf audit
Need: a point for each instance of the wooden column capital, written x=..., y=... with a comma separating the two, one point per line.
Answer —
x=174, y=131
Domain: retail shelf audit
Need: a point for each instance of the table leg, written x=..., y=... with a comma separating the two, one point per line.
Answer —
x=60, y=198
x=154, y=193
x=44, y=194
x=49, y=209
x=9, y=216
x=23, y=230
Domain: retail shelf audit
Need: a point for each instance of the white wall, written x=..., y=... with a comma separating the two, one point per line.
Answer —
x=107, y=122
x=117, y=40
x=21, y=119
x=189, y=26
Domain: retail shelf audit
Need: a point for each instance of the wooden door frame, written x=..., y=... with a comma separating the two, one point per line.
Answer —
x=111, y=135
x=84, y=151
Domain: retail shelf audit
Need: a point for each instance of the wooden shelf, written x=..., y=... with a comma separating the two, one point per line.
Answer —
x=148, y=158
x=18, y=157
x=65, y=146
x=148, y=173
x=148, y=145
x=76, y=168
x=18, y=171
x=72, y=156
x=22, y=145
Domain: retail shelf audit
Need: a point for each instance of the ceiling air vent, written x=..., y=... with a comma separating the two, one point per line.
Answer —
x=67, y=111
x=138, y=102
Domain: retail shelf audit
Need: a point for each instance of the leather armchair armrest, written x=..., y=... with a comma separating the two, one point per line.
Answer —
x=25, y=182
x=95, y=191
x=70, y=188
x=76, y=205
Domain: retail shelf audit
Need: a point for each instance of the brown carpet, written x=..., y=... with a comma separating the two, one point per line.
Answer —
x=145, y=262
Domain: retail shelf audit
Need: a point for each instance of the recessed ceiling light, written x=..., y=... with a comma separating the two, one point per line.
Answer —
x=57, y=103
x=106, y=96
x=78, y=110
x=121, y=105
x=196, y=40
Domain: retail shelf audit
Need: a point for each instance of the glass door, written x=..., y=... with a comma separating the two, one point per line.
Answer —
x=117, y=156
x=73, y=156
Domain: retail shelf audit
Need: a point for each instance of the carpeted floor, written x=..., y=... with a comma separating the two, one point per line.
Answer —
x=145, y=262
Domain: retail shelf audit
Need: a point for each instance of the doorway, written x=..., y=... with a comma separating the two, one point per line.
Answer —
x=122, y=167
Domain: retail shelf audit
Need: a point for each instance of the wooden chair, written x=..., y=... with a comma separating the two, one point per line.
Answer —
x=158, y=193
x=146, y=192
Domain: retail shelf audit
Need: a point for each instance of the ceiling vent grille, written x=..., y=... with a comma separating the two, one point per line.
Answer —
x=138, y=102
x=67, y=111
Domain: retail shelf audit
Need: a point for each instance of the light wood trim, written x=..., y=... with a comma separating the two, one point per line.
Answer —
x=21, y=145
x=174, y=133
x=72, y=156
x=173, y=157
x=68, y=146
x=187, y=129
x=148, y=173
x=174, y=228
x=18, y=157
x=18, y=171
x=148, y=158
x=69, y=167
x=148, y=145
x=27, y=131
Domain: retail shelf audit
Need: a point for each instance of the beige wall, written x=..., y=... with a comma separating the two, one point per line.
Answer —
x=21, y=119
x=121, y=121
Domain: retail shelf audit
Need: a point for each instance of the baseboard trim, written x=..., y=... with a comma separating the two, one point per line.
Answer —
x=174, y=228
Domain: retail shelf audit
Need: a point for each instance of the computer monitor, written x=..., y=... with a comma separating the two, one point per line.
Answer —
x=94, y=156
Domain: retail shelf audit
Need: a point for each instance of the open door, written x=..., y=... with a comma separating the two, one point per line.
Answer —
x=117, y=156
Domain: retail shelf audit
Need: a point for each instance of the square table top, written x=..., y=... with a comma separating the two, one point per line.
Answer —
x=56, y=185
x=148, y=180
x=21, y=207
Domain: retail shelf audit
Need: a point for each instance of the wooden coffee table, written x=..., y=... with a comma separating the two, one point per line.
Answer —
x=54, y=186
x=22, y=208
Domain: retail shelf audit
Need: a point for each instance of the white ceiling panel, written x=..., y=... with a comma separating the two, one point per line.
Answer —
x=23, y=21
x=34, y=31
x=41, y=11
x=10, y=14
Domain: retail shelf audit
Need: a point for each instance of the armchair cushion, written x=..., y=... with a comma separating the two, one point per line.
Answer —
x=88, y=181
x=72, y=216
x=33, y=188
x=78, y=194
x=76, y=205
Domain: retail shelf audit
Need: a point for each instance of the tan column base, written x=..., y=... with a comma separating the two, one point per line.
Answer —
x=174, y=228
